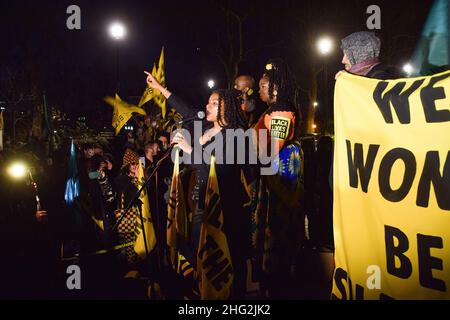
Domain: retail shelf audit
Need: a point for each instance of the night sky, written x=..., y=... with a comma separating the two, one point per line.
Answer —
x=77, y=68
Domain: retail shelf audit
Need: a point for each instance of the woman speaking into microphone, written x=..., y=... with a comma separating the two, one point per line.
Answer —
x=223, y=111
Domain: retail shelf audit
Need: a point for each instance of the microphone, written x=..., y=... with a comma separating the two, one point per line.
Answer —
x=200, y=115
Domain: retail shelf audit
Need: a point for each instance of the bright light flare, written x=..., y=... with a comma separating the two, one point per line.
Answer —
x=17, y=170
x=325, y=45
x=117, y=30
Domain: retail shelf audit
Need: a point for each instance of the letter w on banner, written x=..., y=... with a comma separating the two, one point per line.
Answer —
x=214, y=268
x=392, y=187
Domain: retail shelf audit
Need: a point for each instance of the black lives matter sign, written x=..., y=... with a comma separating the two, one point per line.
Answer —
x=279, y=128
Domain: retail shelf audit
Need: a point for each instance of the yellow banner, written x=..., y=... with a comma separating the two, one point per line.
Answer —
x=392, y=188
x=214, y=266
x=160, y=100
x=176, y=212
x=140, y=246
x=122, y=112
x=156, y=95
x=149, y=93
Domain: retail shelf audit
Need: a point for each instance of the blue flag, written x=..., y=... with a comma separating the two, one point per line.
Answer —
x=432, y=50
x=73, y=182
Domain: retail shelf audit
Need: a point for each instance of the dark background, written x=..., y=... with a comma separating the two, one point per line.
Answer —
x=77, y=68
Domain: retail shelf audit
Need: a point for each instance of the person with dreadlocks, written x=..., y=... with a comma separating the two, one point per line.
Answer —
x=277, y=213
x=223, y=111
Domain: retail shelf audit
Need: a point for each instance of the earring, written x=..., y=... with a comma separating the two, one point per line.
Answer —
x=275, y=93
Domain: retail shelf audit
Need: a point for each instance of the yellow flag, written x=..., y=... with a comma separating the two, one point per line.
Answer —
x=171, y=210
x=176, y=218
x=214, y=266
x=139, y=246
x=160, y=100
x=149, y=93
x=156, y=95
x=122, y=112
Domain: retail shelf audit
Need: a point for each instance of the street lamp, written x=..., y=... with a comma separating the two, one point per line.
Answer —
x=18, y=171
x=325, y=45
x=117, y=31
x=315, y=104
x=211, y=84
x=408, y=69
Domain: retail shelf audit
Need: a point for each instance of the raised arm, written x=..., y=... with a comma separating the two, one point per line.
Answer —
x=174, y=101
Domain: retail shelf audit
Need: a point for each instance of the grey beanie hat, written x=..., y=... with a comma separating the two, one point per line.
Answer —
x=361, y=46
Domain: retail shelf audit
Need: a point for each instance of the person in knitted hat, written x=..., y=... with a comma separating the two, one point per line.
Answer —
x=130, y=162
x=361, y=56
x=126, y=189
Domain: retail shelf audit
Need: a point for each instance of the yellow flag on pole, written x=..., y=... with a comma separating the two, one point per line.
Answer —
x=160, y=100
x=176, y=217
x=171, y=210
x=155, y=95
x=139, y=246
x=122, y=112
x=149, y=93
x=214, y=266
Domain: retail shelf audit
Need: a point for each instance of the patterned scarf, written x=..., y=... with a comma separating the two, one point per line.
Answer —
x=364, y=68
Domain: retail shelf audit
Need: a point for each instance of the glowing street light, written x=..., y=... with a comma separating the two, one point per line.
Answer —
x=315, y=104
x=117, y=30
x=408, y=69
x=18, y=171
x=211, y=84
x=325, y=45
x=314, y=126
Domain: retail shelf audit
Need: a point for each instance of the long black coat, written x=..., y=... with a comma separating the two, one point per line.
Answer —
x=237, y=219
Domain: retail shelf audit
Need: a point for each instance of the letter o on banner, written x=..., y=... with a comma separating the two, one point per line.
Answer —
x=385, y=173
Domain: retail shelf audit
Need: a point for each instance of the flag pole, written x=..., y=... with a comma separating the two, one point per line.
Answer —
x=143, y=229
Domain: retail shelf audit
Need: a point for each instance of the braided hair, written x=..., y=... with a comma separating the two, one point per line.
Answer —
x=283, y=86
x=231, y=114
